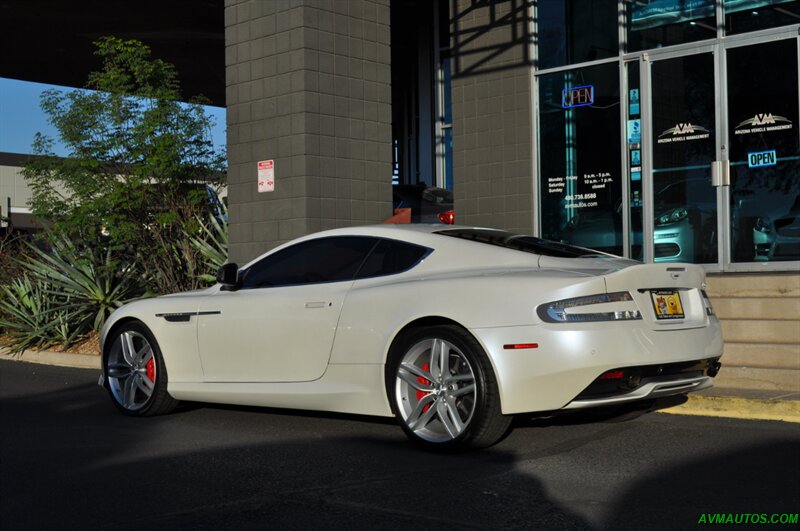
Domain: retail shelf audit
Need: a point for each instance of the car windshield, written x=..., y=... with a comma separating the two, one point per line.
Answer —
x=519, y=242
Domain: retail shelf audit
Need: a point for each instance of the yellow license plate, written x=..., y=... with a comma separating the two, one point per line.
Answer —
x=667, y=304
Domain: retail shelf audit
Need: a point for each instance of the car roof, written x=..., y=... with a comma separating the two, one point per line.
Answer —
x=392, y=230
x=418, y=233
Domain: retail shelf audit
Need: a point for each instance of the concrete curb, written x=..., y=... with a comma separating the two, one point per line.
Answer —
x=738, y=408
x=62, y=359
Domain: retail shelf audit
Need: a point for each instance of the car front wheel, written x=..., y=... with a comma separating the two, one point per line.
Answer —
x=443, y=390
x=136, y=377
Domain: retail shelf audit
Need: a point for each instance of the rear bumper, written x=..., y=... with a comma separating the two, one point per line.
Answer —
x=558, y=372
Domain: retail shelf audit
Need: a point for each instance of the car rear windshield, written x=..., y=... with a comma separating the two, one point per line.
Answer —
x=519, y=242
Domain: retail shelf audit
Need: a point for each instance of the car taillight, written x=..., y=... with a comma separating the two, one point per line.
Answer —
x=448, y=218
x=618, y=306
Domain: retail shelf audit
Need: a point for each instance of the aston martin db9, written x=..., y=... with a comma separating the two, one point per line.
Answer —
x=452, y=330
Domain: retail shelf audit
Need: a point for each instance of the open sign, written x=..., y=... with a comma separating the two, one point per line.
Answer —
x=762, y=158
x=577, y=96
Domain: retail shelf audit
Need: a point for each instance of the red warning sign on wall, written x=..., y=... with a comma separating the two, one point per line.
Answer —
x=266, y=176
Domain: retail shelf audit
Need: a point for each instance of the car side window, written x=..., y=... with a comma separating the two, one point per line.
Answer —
x=316, y=261
x=391, y=257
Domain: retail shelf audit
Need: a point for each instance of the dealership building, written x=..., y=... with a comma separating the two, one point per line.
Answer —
x=660, y=130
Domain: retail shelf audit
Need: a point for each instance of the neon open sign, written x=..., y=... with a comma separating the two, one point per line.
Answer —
x=762, y=158
x=577, y=96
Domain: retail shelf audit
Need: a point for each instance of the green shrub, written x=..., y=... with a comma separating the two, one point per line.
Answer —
x=212, y=243
x=33, y=317
x=91, y=278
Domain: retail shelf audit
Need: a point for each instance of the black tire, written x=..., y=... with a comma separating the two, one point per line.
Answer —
x=137, y=384
x=427, y=415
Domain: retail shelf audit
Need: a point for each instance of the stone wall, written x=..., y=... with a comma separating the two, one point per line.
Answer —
x=492, y=114
x=308, y=86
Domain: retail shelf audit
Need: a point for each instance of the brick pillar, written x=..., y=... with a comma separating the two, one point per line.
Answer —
x=308, y=86
x=492, y=109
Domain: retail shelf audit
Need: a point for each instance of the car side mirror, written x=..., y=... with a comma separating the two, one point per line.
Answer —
x=228, y=276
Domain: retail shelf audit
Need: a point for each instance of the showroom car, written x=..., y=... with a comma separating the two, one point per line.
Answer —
x=684, y=228
x=452, y=330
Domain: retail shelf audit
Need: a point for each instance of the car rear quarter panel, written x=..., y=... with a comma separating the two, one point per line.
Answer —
x=498, y=308
x=376, y=310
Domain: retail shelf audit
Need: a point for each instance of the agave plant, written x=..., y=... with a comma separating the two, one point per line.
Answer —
x=91, y=279
x=33, y=318
x=212, y=242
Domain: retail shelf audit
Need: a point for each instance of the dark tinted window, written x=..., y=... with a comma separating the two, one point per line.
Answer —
x=313, y=261
x=579, y=184
x=753, y=15
x=528, y=244
x=390, y=257
x=574, y=31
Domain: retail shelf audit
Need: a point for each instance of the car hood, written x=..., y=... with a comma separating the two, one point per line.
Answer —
x=195, y=293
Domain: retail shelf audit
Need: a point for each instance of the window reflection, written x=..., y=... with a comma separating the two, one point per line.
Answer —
x=657, y=23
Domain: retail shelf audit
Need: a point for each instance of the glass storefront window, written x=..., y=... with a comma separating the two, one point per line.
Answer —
x=580, y=168
x=658, y=23
x=751, y=15
x=729, y=98
x=576, y=31
x=633, y=136
x=764, y=152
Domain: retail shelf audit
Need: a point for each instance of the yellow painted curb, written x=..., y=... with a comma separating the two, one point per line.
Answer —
x=738, y=408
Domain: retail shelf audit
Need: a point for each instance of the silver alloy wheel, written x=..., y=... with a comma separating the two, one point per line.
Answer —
x=435, y=390
x=131, y=370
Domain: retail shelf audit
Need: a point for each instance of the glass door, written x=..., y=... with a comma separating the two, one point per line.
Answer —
x=682, y=147
x=762, y=132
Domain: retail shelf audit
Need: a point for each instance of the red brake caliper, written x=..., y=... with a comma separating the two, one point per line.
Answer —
x=150, y=369
x=423, y=381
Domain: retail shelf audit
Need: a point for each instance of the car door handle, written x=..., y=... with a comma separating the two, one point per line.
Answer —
x=319, y=304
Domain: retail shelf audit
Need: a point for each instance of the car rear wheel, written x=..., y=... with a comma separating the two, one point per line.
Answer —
x=136, y=377
x=443, y=390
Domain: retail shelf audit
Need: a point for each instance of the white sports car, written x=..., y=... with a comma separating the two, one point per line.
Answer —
x=451, y=330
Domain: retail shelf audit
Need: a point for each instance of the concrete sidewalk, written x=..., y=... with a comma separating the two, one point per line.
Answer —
x=62, y=359
x=714, y=402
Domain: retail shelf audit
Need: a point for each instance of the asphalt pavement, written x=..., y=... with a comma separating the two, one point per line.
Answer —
x=69, y=460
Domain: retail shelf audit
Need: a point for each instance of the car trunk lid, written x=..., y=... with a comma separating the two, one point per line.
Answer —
x=669, y=296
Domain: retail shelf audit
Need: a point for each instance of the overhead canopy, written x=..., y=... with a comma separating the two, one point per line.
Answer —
x=50, y=41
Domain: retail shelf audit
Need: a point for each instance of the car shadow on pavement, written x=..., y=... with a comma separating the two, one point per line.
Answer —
x=757, y=479
x=71, y=461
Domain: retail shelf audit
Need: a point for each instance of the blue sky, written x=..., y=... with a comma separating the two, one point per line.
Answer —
x=21, y=117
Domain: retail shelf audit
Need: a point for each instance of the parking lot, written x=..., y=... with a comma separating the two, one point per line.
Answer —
x=69, y=460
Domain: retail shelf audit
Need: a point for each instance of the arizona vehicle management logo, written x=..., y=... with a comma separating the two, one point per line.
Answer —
x=683, y=132
x=762, y=123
